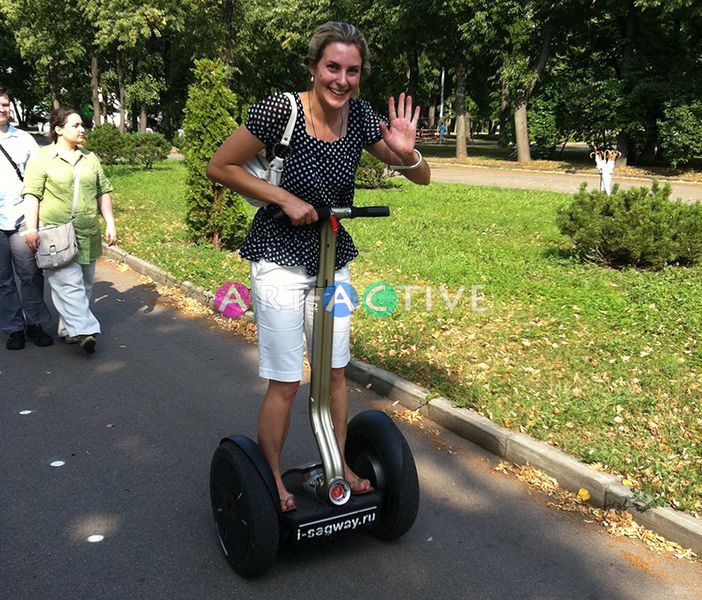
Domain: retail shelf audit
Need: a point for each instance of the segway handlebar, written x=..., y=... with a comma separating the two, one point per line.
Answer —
x=324, y=213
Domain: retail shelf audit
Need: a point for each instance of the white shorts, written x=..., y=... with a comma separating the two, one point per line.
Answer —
x=283, y=302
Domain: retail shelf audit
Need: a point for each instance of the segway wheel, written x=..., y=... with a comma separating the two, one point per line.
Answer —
x=244, y=512
x=377, y=450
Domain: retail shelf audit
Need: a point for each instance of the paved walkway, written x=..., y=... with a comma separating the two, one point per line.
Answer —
x=567, y=183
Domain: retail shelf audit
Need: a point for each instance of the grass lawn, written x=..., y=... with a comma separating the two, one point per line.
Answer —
x=604, y=364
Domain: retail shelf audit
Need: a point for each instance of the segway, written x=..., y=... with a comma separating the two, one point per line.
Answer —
x=244, y=497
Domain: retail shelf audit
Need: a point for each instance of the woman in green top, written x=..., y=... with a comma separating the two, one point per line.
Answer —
x=48, y=195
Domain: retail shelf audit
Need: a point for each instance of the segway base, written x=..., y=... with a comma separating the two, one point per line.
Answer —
x=317, y=520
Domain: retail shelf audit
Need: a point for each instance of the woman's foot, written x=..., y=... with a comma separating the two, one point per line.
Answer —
x=357, y=484
x=287, y=502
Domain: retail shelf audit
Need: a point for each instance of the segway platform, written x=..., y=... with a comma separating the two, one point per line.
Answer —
x=316, y=520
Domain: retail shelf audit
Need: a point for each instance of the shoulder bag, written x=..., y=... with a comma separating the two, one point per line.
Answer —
x=272, y=172
x=57, y=243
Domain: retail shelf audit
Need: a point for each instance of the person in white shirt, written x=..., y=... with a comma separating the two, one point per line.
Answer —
x=21, y=310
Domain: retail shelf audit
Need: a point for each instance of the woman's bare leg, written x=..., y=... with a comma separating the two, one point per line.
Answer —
x=340, y=415
x=273, y=425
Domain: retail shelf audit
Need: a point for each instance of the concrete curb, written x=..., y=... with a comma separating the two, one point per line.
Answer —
x=605, y=490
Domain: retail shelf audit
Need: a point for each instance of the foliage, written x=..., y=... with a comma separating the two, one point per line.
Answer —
x=371, y=173
x=681, y=132
x=542, y=129
x=107, y=142
x=214, y=213
x=636, y=227
x=145, y=149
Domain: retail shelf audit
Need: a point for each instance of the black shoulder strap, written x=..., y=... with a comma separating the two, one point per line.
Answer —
x=12, y=162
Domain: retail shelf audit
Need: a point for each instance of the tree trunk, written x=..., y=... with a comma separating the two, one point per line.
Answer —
x=432, y=116
x=521, y=127
x=503, y=139
x=413, y=67
x=94, y=85
x=460, y=108
x=122, y=94
x=521, y=131
x=627, y=54
x=55, y=102
x=142, y=119
x=229, y=37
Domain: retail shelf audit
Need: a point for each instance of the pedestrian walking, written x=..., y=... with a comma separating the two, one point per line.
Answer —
x=56, y=175
x=22, y=310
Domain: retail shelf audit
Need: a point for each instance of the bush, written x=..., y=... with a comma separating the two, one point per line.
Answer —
x=681, y=133
x=636, y=227
x=214, y=213
x=107, y=142
x=146, y=148
x=543, y=129
x=371, y=173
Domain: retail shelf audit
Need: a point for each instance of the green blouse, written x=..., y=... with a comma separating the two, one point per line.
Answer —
x=50, y=177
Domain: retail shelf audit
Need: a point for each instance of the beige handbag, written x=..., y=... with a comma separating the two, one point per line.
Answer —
x=58, y=246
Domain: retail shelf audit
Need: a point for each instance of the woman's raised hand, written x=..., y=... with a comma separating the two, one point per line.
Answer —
x=402, y=132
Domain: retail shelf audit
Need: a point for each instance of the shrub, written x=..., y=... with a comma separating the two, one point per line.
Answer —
x=214, y=213
x=636, y=227
x=543, y=129
x=371, y=173
x=107, y=142
x=146, y=148
x=681, y=133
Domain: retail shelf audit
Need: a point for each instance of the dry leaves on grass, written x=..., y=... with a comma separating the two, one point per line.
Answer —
x=194, y=308
x=617, y=522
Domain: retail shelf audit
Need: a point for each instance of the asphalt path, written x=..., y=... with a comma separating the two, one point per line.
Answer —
x=567, y=183
x=136, y=424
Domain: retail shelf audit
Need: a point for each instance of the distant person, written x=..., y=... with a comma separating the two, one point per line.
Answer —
x=48, y=195
x=21, y=310
x=604, y=162
x=442, y=132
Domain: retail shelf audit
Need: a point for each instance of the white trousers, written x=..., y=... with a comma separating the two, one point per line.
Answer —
x=71, y=289
x=284, y=299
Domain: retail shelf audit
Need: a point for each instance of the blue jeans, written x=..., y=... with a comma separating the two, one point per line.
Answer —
x=23, y=306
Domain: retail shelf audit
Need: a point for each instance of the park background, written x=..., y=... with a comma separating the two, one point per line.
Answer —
x=601, y=362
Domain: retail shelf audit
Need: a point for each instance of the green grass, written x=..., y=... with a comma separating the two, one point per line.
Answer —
x=604, y=364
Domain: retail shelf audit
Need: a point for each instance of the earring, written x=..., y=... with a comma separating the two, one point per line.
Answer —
x=312, y=79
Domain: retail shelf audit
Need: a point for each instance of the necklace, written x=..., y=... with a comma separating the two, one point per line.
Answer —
x=314, y=129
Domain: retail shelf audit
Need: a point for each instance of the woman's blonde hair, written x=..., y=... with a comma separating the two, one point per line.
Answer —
x=332, y=32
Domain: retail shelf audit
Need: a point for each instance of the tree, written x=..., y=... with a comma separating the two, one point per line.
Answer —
x=55, y=47
x=214, y=213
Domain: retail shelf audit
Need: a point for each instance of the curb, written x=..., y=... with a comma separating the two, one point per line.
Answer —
x=606, y=490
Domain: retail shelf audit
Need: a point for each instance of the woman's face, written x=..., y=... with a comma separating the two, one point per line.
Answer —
x=337, y=74
x=73, y=132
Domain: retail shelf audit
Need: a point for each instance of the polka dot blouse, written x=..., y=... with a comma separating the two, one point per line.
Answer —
x=321, y=173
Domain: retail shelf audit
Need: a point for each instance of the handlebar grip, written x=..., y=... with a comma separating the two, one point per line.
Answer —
x=324, y=213
x=370, y=211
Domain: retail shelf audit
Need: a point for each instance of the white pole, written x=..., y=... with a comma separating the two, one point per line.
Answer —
x=441, y=108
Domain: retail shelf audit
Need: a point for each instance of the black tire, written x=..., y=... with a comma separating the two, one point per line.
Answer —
x=377, y=450
x=244, y=512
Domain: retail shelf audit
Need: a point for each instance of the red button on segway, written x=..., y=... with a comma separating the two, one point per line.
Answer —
x=334, y=223
x=337, y=491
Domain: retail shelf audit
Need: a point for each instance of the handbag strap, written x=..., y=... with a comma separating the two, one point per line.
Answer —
x=12, y=162
x=76, y=189
x=287, y=134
